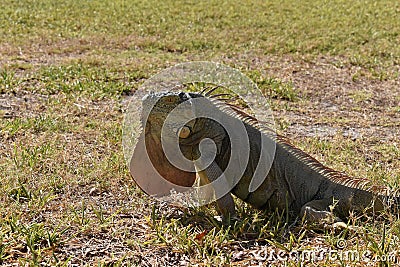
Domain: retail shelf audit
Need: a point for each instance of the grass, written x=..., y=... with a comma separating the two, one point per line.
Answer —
x=67, y=69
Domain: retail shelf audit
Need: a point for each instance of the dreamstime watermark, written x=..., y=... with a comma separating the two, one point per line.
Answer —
x=152, y=137
x=342, y=254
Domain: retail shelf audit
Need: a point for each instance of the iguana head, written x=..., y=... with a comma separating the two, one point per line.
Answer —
x=189, y=117
x=149, y=166
x=158, y=106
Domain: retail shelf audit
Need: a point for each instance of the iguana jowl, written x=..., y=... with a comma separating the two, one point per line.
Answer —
x=296, y=181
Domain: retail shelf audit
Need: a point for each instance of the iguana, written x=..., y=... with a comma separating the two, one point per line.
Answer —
x=296, y=181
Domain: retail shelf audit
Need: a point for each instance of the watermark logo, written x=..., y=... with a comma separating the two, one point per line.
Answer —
x=173, y=135
x=343, y=253
x=341, y=244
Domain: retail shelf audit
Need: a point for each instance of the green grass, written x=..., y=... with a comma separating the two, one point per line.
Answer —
x=67, y=69
x=366, y=32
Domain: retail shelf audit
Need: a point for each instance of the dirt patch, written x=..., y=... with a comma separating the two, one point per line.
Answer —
x=24, y=105
x=330, y=96
x=55, y=52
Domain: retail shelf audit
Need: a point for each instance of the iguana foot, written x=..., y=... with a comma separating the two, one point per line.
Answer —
x=342, y=226
x=316, y=211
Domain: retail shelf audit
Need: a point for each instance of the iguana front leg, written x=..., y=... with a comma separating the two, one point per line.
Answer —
x=225, y=204
x=319, y=211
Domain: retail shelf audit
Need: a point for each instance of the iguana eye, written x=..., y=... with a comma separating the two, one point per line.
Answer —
x=170, y=99
x=184, y=132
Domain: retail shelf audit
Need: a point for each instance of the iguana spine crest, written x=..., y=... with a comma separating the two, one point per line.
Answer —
x=333, y=175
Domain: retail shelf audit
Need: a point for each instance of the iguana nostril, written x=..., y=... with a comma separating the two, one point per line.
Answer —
x=184, y=132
